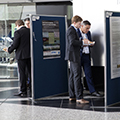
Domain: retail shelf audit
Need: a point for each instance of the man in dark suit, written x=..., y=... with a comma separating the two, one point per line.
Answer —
x=86, y=58
x=73, y=45
x=27, y=22
x=21, y=45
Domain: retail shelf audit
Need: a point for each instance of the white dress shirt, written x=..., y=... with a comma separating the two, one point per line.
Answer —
x=86, y=48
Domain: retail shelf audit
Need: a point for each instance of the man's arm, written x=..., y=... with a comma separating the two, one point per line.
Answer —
x=91, y=43
x=15, y=43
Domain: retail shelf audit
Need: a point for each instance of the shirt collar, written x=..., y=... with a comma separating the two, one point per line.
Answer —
x=20, y=27
x=74, y=27
x=82, y=32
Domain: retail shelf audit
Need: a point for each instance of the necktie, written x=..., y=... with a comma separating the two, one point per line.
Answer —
x=78, y=31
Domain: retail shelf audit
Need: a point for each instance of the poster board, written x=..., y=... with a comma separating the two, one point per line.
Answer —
x=49, y=69
x=112, y=86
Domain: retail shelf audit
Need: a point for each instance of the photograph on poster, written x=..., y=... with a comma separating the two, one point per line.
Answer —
x=51, y=39
x=115, y=46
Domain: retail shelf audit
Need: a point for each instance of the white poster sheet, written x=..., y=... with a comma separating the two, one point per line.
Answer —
x=115, y=46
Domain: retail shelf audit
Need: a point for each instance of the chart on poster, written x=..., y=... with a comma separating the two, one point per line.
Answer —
x=51, y=39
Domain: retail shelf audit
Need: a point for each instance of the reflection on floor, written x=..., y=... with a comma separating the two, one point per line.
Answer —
x=51, y=108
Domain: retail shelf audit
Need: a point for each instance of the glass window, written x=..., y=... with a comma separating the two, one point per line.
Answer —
x=8, y=15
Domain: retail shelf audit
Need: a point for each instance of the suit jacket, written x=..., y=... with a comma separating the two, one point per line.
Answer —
x=89, y=37
x=21, y=43
x=73, y=45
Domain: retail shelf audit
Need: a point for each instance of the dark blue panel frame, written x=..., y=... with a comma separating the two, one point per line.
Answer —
x=112, y=85
x=49, y=75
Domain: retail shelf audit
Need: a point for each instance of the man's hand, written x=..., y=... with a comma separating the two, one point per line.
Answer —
x=5, y=49
x=86, y=41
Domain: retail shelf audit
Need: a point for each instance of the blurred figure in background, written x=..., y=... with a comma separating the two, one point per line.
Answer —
x=27, y=22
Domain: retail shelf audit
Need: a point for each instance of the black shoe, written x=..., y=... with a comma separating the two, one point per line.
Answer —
x=18, y=94
x=22, y=94
x=96, y=94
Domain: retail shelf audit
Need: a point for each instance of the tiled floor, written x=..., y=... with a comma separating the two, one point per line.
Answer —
x=51, y=108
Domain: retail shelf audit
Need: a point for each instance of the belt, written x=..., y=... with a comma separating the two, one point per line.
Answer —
x=85, y=53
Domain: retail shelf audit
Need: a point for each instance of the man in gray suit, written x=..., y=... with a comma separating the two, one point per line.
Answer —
x=73, y=45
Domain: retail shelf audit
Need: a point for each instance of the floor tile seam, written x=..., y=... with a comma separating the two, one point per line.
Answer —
x=9, y=80
x=17, y=99
x=61, y=103
x=104, y=107
x=2, y=90
x=92, y=97
x=92, y=104
x=3, y=81
x=8, y=87
x=4, y=101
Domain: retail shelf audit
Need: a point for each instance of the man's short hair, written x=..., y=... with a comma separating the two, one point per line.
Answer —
x=76, y=19
x=86, y=22
x=27, y=19
x=19, y=22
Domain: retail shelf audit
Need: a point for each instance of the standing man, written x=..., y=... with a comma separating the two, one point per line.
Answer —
x=27, y=22
x=73, y=45
x=86, y=58
x=21, y=45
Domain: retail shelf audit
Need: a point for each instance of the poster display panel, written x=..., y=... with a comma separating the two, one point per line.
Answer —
x=49, y=68
x=112, y=83
x=115, y=46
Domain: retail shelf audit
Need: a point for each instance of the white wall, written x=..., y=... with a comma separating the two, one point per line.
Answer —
x=93, y=10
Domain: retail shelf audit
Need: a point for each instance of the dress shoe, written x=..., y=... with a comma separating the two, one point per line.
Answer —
x=72, y=99
x=96, y=94
x=22, y=94
x=82, y=101
x=18, y=94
